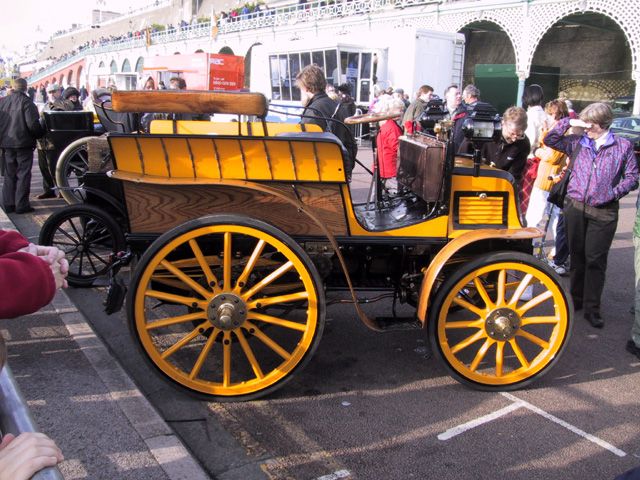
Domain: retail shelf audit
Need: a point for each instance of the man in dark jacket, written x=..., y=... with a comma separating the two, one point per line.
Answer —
x=318, y=107
x=19, y=129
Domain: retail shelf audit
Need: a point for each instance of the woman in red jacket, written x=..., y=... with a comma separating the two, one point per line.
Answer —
x=29, y=274
x=387, y=139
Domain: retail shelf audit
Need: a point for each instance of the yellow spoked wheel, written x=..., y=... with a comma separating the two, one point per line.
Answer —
x=500, y=321
x=226, y=306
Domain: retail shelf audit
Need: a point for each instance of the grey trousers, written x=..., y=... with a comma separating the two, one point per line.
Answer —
x=17, y=177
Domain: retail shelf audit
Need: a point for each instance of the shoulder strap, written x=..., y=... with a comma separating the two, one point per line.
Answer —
x=574, y=155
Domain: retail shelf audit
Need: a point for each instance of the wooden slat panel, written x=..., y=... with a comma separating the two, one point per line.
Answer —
x=157, y=208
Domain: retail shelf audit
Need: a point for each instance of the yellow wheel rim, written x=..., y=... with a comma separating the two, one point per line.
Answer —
x=490, y=335
x=204, y=310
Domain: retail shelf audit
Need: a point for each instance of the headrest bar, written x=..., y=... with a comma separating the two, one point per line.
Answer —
x=189, y=101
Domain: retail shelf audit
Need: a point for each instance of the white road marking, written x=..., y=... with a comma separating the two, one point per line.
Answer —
x=335, y=475
x=567, y=425
x=519, y=403
x=452, y=432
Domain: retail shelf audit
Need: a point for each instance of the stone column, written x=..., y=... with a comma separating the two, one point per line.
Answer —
x=636, y=100
x=522, y=76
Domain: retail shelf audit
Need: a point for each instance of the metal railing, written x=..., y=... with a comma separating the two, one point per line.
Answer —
x=16, y=418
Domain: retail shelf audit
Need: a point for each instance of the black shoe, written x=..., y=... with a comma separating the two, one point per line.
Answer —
x=594, y=319
x=26, y=210
x=45, y=195
x=9, y=209
x=632, y=348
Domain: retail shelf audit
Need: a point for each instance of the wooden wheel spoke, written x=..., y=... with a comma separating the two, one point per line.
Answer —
x=522, y=286
x=170, y=297
x=499, y=358
x=76, y=241
x=246, y=348
x=483, y=293
x=273, y=276
x=248, y=268
x=540, y=320
x=226, y=359
x=521, y=357
x=165, y=322
x=227, y=262
x=482, y=351
x=535, y=301
x=277, y=321
x=203, y=354
x=465, y=324
x=291, y=297
x=469, y=306
x=259, y=334
x=467, y=341
x=204, y=293
x=533, y=339
x=204, y=265
x=501, y=287
x=182, y=342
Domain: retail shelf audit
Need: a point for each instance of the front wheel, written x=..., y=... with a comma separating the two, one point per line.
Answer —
x=500, y=321
x=226, y=306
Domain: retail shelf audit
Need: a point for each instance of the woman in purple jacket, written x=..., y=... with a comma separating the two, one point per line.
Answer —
x=603, y=171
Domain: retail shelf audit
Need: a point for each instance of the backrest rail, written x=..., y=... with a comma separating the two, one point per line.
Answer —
x=192, y=159
x=166, y=156
x=293, y=161
x=267, y=156
x=215, y=152
x=244, y=160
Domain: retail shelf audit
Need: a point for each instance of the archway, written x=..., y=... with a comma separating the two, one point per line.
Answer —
x=489, y=63
x=79, y=81
x=69, y=78
x=226, y=51
x=126, y=66
x=598, y=69
x=247, y=66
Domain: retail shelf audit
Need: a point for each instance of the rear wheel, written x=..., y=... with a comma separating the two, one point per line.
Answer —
x=499, y=340
x=89, y=236
x=72, y=164
x=226, y=306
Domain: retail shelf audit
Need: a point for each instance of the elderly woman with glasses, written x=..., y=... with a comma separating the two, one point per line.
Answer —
x=603, y=170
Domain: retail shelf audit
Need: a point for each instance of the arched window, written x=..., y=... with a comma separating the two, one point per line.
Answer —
x=79, y=81
x=113, y=67
x=69, y=78
x=226, y=51
x=126, y=66
x=140, y=64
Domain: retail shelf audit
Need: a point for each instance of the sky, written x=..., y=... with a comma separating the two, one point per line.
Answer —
x=19, y=28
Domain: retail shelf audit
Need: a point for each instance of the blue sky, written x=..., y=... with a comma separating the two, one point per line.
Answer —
x=20, y=28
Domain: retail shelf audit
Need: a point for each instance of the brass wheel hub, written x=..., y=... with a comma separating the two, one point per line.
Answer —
x=227, y=311
x=502, y=324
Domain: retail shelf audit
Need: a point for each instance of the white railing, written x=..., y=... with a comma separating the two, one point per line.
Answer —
x=281, y=16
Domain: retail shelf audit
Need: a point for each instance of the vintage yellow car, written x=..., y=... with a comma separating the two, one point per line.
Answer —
x=245, y=231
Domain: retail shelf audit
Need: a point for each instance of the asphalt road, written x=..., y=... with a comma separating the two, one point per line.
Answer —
x=378, y=406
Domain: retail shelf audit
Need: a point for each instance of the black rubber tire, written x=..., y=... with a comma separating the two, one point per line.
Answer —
x=221, y=221
x=563, y=303
x=77, y=229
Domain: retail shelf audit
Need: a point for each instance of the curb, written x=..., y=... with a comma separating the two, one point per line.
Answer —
x=166, y=447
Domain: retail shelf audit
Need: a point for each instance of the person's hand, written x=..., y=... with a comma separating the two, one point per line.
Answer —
x=576, y=122
x=54, y=257
x=22, y=456
x=60, y=270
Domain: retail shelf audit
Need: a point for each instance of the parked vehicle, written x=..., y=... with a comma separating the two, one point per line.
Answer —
x=245, y=233
x=629, y=128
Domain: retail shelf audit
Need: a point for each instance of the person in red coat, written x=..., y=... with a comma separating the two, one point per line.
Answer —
x=29, y=274
x=387, y=139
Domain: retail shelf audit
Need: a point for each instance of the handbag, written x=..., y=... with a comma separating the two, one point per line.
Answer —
x=559, y=190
